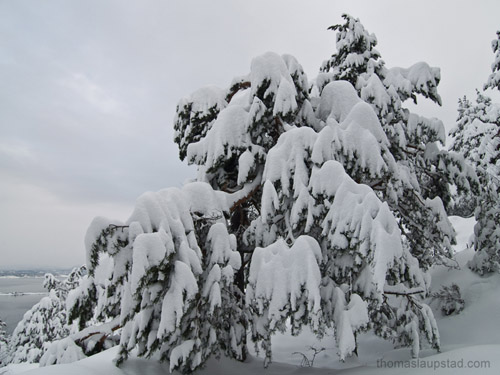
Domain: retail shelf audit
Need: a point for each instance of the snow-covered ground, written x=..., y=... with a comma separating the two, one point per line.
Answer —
x=470, y=341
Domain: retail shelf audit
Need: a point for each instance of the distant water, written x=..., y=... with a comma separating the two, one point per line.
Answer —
x=13, y=307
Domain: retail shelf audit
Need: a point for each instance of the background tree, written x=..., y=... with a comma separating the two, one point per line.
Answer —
x=4, y=341
x=477, y=137
x=45, y=322
x=472, y=137
x=494, y=78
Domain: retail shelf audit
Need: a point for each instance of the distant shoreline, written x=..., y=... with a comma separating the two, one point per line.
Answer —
x=20, y=277
x=18, y=294
x=17, y=274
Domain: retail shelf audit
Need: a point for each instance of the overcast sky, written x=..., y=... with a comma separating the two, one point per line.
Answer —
x=88, y=91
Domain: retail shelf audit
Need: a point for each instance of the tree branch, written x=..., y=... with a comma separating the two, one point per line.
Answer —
x=104, y=334
x=237, y=87
x=404, y=294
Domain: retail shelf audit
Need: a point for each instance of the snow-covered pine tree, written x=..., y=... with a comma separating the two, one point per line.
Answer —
x=493, y=112
x=4, y=342
x=43, y=323
x=487, y=234
x=314, y=205
x=63, y=287
x=417, y=185
x=494, y=78
x=473, y=134
x=472, y=138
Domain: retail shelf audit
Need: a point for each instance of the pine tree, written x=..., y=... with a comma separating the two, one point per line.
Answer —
x=4, y=343
x=45, y=322
x=477, y=136
x=494, y=78
x=320, y=205
x=472, y=138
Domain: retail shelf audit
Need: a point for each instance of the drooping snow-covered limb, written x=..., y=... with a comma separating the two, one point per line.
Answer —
x=284, y=282
x=102, y=330
x=61, y=352
x=415, y=318
x=69, y=349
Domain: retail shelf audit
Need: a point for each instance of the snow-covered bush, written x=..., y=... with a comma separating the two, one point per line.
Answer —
x=321, y=205
x=449, y=299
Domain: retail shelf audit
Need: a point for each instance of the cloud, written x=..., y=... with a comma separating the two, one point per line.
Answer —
x=89, y=90
x=39, y=229
x=92, y=93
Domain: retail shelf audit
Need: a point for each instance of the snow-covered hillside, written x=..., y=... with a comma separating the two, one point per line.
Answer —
x=470, y=341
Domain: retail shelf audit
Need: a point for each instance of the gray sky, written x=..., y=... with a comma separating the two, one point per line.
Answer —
x=88, y=91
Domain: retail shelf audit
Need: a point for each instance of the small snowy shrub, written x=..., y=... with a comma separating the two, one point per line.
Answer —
x=449, y=299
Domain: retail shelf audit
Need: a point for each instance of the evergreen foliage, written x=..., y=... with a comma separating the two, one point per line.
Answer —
x=494, y=78
x=472, y=138
x=320, y=204
x=450, y=300
x=4, y=342
x=416, y=184
x=477, y=137
x=487, y=241
x=45, y=322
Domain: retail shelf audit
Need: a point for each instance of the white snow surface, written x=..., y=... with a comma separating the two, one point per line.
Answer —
x=337, y=100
